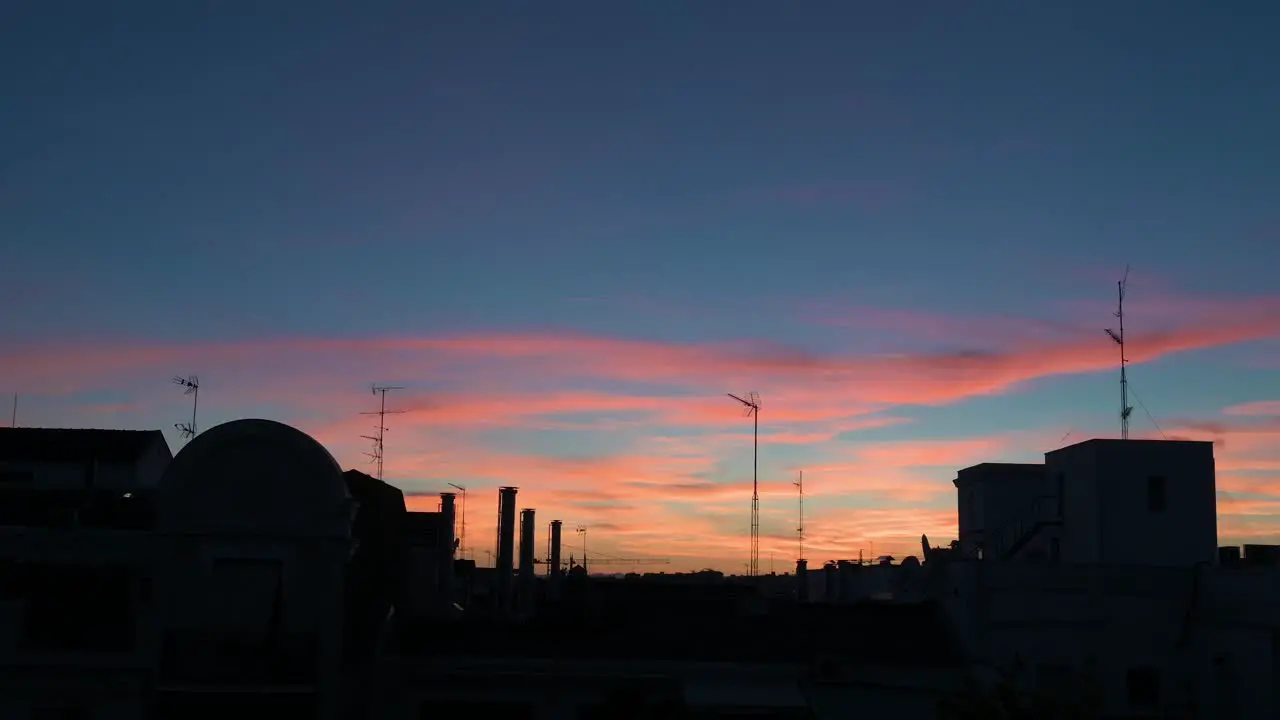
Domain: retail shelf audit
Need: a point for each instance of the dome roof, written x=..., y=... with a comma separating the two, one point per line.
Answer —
x=255, y=476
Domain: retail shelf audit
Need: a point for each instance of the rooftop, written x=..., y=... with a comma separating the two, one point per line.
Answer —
x=865, y=633
x=76, y=444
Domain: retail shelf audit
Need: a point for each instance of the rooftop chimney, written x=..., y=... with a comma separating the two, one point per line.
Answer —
x=527, y=573
x=444, y=579
x=830, y=582
x=553, y=560
x=506, y=545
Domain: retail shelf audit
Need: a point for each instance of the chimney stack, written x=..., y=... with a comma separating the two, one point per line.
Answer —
x=527, y=573
x=444, y=562
x=830, y=582
x=506, y=545
x=553, y=561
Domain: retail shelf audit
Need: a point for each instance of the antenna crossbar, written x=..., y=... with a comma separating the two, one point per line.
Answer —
x=1117, y=336
x=376, y=456
x=191, y=385
x=799, y=483
x=751, y=404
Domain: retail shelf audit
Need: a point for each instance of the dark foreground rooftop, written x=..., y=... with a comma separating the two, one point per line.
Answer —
x=865, y=633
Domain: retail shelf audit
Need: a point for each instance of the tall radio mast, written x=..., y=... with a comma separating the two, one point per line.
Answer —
x=752, y=405
x=800, y=528
x=1118, y=337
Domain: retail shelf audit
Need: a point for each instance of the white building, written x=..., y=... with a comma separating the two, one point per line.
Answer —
x=255, y=533
x=1125, y=502
x=1099, y=570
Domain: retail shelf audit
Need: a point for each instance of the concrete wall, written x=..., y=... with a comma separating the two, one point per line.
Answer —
x=1106, y=514
x=1201, y=629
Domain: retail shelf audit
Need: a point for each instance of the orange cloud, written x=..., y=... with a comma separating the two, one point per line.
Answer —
x=637, y=439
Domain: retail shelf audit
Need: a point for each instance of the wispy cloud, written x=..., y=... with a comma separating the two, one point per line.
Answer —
x=637, y=436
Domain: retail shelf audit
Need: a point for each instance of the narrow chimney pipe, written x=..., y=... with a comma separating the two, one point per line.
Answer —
x=527, y=573
x=506, y=544
x=444, y=566
x=556, y=530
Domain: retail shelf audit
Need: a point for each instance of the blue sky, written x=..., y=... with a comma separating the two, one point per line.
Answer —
x=233, y=174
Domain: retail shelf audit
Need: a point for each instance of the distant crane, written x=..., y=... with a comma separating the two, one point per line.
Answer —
x=610, y=559
x=753, y=409
x=1118, y=337
x=616, y=561
x=192, y=385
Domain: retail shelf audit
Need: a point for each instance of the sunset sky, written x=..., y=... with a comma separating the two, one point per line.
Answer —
x=569, y=228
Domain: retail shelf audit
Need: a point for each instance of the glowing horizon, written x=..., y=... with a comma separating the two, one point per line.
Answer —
x=634, y=439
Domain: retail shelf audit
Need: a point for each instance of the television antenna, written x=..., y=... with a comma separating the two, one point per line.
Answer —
x=192, y=385
x=462, y=536
x=382, y=412
x=752, y=406
x=582, y=530
x=1118, y=337
x=800, y=528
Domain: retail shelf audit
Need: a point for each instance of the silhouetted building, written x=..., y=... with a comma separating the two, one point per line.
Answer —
x=255, y=540
x=76, y=579
x=73, y=478
x=1100, y=577
x=432, y=567
x=694, y=648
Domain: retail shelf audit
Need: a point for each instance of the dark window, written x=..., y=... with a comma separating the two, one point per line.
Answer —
x=475, y=708
x=16, y=477
x=60, y=713
x=1143, y=685
x=57, y=618
x=1054, y=677
x=1155, y=494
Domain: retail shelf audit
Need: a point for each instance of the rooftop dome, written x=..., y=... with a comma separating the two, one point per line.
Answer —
x=255, y=476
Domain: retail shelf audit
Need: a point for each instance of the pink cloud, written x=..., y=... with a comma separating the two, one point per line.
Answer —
x=1269, y=408
x=666, y=492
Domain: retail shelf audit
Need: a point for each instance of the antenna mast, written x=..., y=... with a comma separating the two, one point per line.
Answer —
x=13, y=422
x=1118, y=337
x=752, y=406
x=800, y=528
x=382, y=413
x=192, y=385
x=462, y=537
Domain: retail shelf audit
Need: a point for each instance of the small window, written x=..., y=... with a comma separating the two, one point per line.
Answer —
x=16, y=477
x=1143, y=685
x=1054, y=677
x=61, y=713
x=1156, y=494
